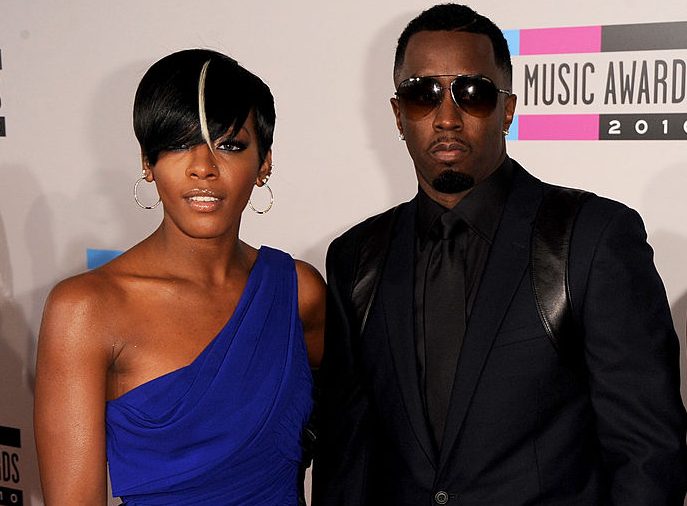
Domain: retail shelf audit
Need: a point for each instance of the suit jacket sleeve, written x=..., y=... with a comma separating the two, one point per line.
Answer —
x=339, y=470
x=632, y=354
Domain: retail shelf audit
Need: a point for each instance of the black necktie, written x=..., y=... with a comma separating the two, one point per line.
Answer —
x=444, y=307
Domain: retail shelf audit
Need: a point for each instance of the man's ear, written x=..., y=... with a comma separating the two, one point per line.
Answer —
x=265, y=170
x=509, y=111
x=397, y=113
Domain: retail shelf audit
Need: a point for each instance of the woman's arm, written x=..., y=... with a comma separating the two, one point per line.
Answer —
x=69, y=410
x=311, y=304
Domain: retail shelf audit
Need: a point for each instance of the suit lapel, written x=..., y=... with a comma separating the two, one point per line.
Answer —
x=508, y=259
x=397, y=298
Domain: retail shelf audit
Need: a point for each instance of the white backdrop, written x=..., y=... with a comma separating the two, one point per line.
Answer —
x=68, y=159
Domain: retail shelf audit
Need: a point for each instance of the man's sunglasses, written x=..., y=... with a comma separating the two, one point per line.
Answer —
x=475, y=94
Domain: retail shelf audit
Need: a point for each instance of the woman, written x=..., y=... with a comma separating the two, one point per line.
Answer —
x=182, y=362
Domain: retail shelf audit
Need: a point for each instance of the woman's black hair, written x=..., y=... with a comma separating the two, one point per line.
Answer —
x=166, y=111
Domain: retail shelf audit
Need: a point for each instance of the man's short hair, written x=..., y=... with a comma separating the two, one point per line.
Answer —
x=458, y=18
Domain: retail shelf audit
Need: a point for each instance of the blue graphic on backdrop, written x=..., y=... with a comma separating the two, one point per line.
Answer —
x=97, y=257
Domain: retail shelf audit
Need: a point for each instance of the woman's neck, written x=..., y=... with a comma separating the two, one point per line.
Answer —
x=211, y=261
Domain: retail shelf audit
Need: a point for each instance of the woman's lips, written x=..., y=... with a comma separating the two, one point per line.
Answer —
x=203, y=200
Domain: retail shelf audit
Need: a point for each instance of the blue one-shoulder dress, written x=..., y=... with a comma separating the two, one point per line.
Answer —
x=224, y=430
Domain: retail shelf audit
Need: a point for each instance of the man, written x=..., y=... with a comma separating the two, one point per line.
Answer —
x=453, y=393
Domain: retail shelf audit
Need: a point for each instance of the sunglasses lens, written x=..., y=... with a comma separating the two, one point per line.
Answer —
x=475, y=95
x=419, y=96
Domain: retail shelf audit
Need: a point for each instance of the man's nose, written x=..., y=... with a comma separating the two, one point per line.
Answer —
x=448, y=116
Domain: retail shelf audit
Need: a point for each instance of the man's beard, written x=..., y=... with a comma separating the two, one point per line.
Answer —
x=451, y=181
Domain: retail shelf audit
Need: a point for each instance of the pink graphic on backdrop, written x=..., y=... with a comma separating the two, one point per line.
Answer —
x=558, y=127
x=575, y=39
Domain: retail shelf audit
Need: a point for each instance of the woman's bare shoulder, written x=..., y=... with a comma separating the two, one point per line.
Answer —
x=80, y=292
x=311, y=305
x=82, y=306
x=88, y=289
x=311, y=286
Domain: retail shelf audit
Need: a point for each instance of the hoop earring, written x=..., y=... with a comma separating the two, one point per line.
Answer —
x=269, y=206
x=142, y=206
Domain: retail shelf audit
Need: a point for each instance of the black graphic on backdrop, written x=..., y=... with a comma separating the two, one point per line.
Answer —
x=10, y=477
x=2, y=118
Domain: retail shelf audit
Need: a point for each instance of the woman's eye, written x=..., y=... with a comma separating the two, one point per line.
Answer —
x=232, y=145
x=177, y=147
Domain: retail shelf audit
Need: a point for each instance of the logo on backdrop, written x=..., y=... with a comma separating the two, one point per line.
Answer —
x=616, y=82
x=10, y=470
x=2, y=118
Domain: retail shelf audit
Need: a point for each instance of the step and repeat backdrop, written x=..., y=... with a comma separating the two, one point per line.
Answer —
x=602, y=105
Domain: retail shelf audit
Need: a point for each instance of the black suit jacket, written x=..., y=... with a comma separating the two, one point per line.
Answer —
x=524, y=426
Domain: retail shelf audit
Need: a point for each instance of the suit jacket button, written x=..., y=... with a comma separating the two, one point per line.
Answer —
x=441, y=497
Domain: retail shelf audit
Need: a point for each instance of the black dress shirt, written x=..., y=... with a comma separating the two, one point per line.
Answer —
x=481, y=211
